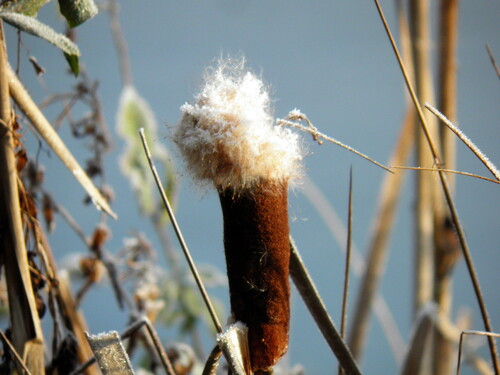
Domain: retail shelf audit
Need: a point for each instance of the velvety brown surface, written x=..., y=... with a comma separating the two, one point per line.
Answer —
x=256, y=241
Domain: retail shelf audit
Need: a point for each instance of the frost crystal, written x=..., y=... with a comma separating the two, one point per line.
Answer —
x=228, y=135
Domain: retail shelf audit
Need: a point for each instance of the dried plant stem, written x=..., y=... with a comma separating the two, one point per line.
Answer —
x=446, y=249
x=312, y=299
x=424, y=195
x=422, y=327
x=317, y=134
x=446, y=171
x=27, y=333
x=379, y=239
x=43, y=127
x=449, y=200
x=113, y=8
x=448, y=36
x=74, y=320
x=347, y=268
x=471, y=332
x=493, y=61
x=212, y=362
x=180, y=237
x=484, y=159
x=14, y=353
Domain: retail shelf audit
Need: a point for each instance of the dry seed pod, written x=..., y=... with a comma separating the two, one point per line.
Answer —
x=229, y=139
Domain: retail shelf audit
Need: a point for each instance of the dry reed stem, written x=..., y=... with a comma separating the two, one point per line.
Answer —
x=113, y=9
x=479, y=154
x=493, y=61
x=424, y=195
x=335, y=226
x=449, y=200
x=14, y=353
x=25, y=323
x=75, y=321
x=317, y=134
x=446, y=171
x=347, y=268
x=471, y=332
x=180, y=237
x=379, y=238
x=316, y=307
x=420, y=338
x=47, y=132
x=212, y=362
x=445, y=245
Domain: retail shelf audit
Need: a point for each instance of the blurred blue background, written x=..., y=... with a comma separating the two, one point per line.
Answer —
x=332, y=60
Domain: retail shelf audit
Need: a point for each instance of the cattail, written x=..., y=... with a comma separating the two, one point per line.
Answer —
x=230, y=140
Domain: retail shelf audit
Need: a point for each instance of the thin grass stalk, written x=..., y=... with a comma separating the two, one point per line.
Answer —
x=424, y=195
x=448, y=171
x=461, y=341
x=14, y=353
x=449, y=199
x=479, y=154
x=25, y=323
x=180, y=237
x=379, y=239
x=345, y=294
x=445, y=244
x=493, y=61
x=316, y=307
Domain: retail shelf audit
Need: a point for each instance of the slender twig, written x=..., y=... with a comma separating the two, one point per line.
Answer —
x=471, y=332
x=480, y=155
x=314, y=303
x=493, y=61
x=446, y=171
x=180, y=237
x=317, y=134
x=449, y=200
x=212, y=362
x=345, y=294
x=14, y=353
x=120, y=42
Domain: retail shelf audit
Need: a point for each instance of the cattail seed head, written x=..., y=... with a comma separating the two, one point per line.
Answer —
x=228, y=136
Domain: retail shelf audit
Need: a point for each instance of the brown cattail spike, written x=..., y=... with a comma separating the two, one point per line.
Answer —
x=256, y=242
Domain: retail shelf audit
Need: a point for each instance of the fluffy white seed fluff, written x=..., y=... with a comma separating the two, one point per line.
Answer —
x=228, y=135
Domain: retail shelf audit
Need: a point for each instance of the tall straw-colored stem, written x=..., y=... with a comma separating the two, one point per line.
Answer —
x=446, y=246
x=26, y=329
x=424, y=240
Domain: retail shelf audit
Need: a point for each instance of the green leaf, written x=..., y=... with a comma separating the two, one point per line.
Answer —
x=26, y=7
x=34, y=27
x=73, y=63
x=77, y=12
